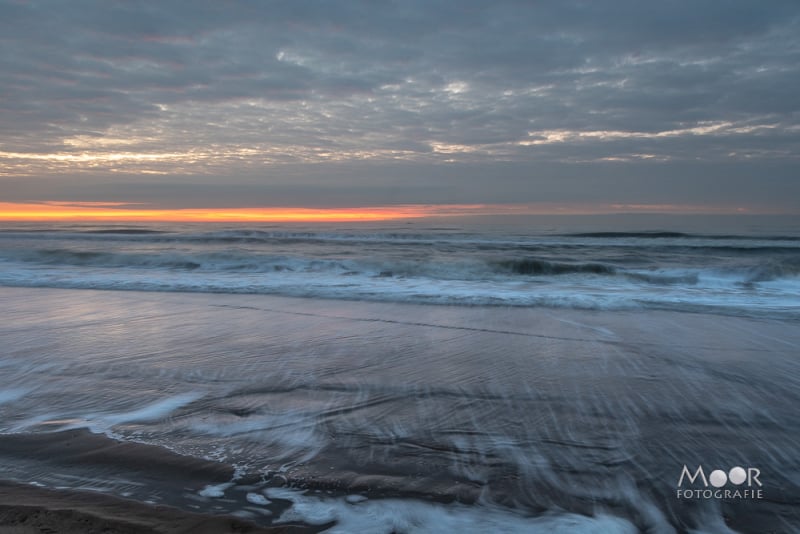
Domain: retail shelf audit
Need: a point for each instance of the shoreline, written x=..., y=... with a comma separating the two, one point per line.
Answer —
x=209, y=402
x=29, y=509
x=93, y=508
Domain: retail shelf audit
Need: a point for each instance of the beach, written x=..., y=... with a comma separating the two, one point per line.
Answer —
x=400, y=268
x=29, y=510
x=319, y=412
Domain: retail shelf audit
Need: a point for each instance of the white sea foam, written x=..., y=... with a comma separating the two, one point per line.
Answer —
x=417, y=517
x=103, y=422
x=215, y=491
x=295, y=433
x=153, y=411
x=257, y=498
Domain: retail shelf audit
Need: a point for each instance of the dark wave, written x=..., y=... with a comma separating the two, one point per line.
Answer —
x=109, y=259
x=124, y=231
x=746, y=250
x=78, y=231
x=69, y=256
x=613, y=235
x=542, y=267
x=662, y=279
x=32, y=231
x=775, y=270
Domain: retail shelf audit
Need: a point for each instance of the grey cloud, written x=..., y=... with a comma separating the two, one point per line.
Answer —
x=246, y=85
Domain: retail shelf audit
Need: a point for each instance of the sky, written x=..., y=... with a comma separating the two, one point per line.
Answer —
x=444, y=106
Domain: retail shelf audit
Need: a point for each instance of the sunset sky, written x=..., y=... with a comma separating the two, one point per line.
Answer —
x=232, y=109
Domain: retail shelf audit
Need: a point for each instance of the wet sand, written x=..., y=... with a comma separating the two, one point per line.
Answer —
x=202, y=403
x=26, y=509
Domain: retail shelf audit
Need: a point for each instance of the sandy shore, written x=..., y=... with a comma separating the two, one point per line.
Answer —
x=30, y=510
x=159, y=397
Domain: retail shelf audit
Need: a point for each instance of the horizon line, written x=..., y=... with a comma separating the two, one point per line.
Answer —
x=61, y=210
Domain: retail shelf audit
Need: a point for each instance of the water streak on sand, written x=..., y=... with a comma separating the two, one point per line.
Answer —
x=527, y=413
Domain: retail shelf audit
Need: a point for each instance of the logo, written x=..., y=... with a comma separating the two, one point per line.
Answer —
x=737, y=483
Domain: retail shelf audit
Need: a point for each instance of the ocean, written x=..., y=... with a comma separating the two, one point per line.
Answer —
x=513, y=374
x=549, y=262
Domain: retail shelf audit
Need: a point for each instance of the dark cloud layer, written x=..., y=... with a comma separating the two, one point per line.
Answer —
x=406, y=101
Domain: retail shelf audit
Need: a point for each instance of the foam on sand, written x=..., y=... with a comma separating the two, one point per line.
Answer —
x=553, y=416
x=153, y=411
x=418, y=517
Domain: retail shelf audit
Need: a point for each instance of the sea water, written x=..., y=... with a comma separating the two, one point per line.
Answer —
x=747, y=266
x=536, y=375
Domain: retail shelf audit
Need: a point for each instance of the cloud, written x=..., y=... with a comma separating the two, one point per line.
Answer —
x=236, y=89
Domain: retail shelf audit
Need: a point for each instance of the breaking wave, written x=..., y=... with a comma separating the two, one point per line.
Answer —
x=597, y=270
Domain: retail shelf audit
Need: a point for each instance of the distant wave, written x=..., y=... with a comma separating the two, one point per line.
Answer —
x=614, y=235
x=125, y=231
x=678, y=235
x=78, y=231
x=670, y=242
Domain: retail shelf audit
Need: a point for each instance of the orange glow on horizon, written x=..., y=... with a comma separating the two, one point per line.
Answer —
x=100, y=211
x=122, y=211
